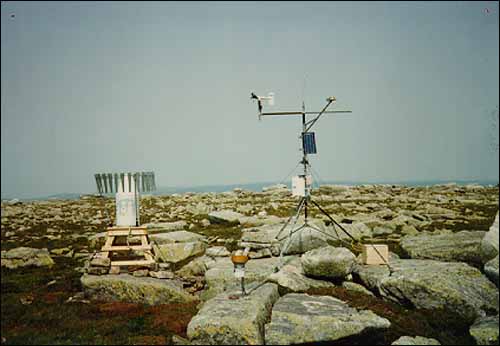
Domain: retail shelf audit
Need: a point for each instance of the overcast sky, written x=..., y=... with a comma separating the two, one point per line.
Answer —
x=165, y=87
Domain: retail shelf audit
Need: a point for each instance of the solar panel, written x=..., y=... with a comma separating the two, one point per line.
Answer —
x=309, y=143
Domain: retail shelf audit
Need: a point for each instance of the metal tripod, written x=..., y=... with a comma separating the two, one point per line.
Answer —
x=306, y=199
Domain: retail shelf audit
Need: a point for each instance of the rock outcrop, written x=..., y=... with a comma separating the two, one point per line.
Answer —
x=449, y=247
x=429, y=284
x=128, y=288
x=224, y=321
x=301, y=318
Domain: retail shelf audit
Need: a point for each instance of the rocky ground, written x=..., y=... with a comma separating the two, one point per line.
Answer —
x=442, y=284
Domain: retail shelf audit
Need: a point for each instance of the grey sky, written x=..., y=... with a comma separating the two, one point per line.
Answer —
x=165, y=86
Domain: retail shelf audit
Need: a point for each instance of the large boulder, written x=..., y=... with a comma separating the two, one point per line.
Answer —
x=328, y=262
x=428, y=284
x=489, y=244
x=491, y=270
x=301, y=318
x=415, y=340
x=449, y=247
x=180, y=253
x=178, y=247
x=224, y=321
x=291, y=279
x=26, y=257
x=485, y=330
x=128, y=288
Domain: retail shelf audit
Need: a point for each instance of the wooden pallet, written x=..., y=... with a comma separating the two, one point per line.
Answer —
x=113, y=233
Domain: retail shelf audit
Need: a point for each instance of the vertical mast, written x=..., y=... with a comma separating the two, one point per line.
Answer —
x=304, y=158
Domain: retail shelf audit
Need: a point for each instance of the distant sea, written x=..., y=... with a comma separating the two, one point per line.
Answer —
x=256, y=187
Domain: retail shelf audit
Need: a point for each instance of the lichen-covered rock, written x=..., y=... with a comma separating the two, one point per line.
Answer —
x=301, y=318
x=181, y=252
x=415, y=340
x=491, y=270
x=450, y=247
x=26, y=257
x=329, y=262
x=291, y=278
x=428, y=284
x=224, y=321
x=485, y=330
x=489, y=244
x=128, y=288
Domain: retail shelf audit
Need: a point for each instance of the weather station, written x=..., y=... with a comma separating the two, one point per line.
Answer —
x=302, y=184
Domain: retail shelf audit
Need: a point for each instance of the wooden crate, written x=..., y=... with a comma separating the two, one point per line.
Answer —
x=375, y=254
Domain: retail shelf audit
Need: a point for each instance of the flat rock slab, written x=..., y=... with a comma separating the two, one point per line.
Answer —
x=450, y=247
x=26, y=257
x=127, y=288
x=224, y=321
x=301, y=318
x=485, y=330
x=429, y=284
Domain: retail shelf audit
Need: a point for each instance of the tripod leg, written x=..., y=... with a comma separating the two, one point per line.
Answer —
x=332, y=220
x=299, y=207
x=285, y=246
